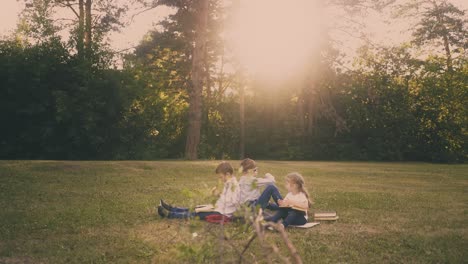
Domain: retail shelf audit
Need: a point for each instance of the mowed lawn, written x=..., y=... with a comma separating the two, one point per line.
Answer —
x=103, y=212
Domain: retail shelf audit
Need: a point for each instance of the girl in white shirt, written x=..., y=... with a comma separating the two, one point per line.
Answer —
x=294, y=207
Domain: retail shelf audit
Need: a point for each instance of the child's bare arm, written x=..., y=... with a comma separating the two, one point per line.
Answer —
x=301, y=204
x=267, y=179
x=215, y=191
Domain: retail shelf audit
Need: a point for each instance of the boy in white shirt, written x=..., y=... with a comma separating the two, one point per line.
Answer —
x=226, y=205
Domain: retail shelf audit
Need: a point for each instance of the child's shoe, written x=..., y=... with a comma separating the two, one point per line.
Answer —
x=165, y=205
x=161, y=212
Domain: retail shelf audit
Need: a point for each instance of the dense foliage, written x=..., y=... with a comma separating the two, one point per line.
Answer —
x=390, y=105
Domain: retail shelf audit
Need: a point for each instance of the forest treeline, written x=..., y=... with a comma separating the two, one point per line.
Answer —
x=67, y=99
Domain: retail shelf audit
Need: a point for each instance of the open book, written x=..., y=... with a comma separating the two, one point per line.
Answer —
x=204, y=208
x=295, y=208
x=306, y=225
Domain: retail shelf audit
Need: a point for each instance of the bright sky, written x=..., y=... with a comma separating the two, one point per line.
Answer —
x=275, y=42
x=282, y=17
x=128, y=37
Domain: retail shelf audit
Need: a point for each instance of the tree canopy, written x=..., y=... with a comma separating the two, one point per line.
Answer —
x=184, y=93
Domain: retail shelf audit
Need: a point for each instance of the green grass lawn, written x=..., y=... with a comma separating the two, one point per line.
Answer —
x=103, y=212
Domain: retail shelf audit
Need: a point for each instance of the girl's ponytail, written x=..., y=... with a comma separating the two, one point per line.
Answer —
x=297, y=178
x=246, y=165
x=309, y=199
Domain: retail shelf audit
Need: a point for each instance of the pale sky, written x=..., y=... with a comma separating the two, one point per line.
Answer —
x=128, y=37
x=132, y=34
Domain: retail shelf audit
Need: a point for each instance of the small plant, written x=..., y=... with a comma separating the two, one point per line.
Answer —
x=196, y=253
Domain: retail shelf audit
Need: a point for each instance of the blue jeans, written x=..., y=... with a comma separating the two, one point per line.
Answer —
x=184, y=213
x=289, y=216
x=271, y=191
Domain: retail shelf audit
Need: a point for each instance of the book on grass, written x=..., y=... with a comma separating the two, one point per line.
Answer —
x=295, y=208
x=326, y=218
x=204, y=208
x=325, y=214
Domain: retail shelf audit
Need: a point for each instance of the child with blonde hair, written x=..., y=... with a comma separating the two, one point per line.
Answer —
x=297, y=197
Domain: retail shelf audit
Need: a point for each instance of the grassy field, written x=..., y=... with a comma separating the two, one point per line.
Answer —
x=103, y=212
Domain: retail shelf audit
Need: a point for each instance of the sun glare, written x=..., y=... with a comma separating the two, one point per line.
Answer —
x=273, y=38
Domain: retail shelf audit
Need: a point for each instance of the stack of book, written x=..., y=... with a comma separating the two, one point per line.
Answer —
x=325, y=216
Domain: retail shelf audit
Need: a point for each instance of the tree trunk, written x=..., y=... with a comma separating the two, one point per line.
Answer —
x=448, y=80
x=300, y=114
x=311, y=111
x=242, y=121
x=88, y=29
x=241, y=86
x=445, y=38
x=220, y=77
x=80, y=38
x=206, y=63
x=448, y=53
x=196, y=87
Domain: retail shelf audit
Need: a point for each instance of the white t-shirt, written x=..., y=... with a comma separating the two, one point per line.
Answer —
x=228, y=201
x=297, y=198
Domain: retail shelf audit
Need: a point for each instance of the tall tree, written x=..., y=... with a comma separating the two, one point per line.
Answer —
x=443, y=21
x=88, y=29
x=196, y=25
x=440, y=24
x=90, y=21
x=81, y=29
x=197, y=74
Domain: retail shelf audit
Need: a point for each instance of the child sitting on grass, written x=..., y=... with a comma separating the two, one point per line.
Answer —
x=250, y=187
x=297, y=197
x=226, y=205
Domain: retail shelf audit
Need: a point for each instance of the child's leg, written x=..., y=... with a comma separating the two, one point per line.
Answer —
x=181, y=214
x=294, y=217
x=270, y=192
x=179, y=209
x=187, y=214
x=282, y=213
x=203, y=215
x=272, y=206
x=171, y=208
